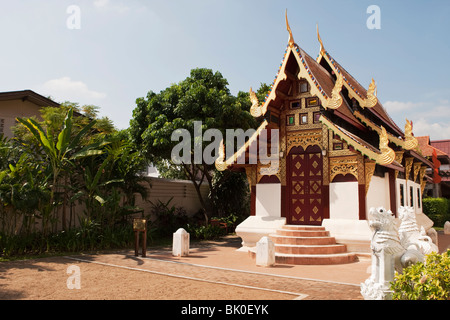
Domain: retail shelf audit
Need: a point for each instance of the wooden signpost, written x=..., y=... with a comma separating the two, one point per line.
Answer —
x=140, y=225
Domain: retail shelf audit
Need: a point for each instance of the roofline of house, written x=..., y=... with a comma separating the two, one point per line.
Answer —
x=28, y=95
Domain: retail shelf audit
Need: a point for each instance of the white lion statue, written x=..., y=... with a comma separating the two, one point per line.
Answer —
x=410, y=236
x=392, y=249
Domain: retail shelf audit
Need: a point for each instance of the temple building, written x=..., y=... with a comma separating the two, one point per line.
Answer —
x=339, y=154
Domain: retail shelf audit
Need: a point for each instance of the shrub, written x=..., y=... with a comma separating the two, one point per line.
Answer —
x=168, y=218
x=437, y=209
x=424, y=281
x=202, y=232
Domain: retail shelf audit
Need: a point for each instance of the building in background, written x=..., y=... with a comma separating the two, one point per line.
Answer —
x=20, y=104
x=437, y=186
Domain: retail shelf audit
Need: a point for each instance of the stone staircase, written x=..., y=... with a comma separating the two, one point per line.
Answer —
x=308, y=245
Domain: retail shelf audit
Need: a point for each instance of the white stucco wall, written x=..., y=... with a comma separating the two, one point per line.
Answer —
x=344, y=200
x=378, y=193
x=267, y=218
x=268, y=200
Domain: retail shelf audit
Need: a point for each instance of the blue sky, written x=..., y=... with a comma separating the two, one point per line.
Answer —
x=124, y=48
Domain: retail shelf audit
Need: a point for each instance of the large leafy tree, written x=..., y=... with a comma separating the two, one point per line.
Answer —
x=203, y=96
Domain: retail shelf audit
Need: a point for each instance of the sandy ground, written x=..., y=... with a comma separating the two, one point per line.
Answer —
x=212, y=271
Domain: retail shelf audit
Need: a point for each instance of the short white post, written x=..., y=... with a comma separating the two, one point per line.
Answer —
x=265, y=252
x=180, y=247
x=447, y=227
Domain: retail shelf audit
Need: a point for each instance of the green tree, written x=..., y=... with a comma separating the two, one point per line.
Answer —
x=58, y=149
x=203, y=96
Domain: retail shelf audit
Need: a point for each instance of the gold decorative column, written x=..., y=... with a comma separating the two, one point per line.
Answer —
x=369, y=169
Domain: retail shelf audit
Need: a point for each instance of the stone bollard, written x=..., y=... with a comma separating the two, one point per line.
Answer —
x=265, y=252
x=447, y=227
x=180, y=247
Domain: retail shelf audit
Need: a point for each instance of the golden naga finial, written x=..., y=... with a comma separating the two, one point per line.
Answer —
x=336, y=99
x=372, y=99
x=387, y=155
x=255, y=109
x=322, y=48
x=411, y=142
x=220, y=164
x=291, y=38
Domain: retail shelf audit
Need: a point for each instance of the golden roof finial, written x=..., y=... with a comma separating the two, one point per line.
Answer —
x=336, y=100
x=387, y=155
x=255, y=109
x=322, y=48
x=220, y=163
x=291, y=38
x=411, y=142
x=372, y=99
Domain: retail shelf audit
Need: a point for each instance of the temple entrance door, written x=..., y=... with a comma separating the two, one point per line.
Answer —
x=304, y=184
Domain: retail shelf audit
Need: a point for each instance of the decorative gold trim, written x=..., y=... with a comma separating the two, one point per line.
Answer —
x=271, y=169
x=336, y=99
x=372, y=99
x=408, y=164
x=363, y=102
x=399, y=159
x=387, y=154
x=255, y=110
x=326, y=173
x=369, y=169
x=343, y=166
x=410, y=141
x=422, y=172
x=291, y=38
x=322, y=48
x=416, y=168
x=251, y=176
x=363, y=150
x=221, y=165
x=393, y=139
x=303, y=139
x=423, y=181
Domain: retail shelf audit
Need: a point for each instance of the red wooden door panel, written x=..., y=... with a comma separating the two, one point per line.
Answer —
x=304, y=182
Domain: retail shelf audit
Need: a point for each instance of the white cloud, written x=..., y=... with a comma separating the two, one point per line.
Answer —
x=430, y=117
x=64, y=88
x=436, y=130
x=106, y=4
x=399, y=106
x=100, y=3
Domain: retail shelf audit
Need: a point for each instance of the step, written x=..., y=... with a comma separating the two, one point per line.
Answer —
x=310, y=249
x=310, y=259
x=315, y=259
x=302, y=227
x=302, y=233
x=280, y=239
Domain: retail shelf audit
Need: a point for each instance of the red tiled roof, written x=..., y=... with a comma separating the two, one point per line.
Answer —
x=426, y=148
x=326, y=82
x=378, y=110
x=442, y=145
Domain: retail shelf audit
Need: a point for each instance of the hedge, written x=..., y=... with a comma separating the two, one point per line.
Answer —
x=429, y=280
x=437, y=209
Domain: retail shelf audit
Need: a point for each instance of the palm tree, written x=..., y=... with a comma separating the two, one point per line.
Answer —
x=60, y=152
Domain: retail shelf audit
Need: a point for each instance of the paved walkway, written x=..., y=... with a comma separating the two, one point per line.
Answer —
x=220, y=262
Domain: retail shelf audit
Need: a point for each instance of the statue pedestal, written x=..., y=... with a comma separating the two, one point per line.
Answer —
x=375, y=291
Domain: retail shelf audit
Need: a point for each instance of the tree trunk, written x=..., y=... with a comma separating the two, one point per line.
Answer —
x=191, y=171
